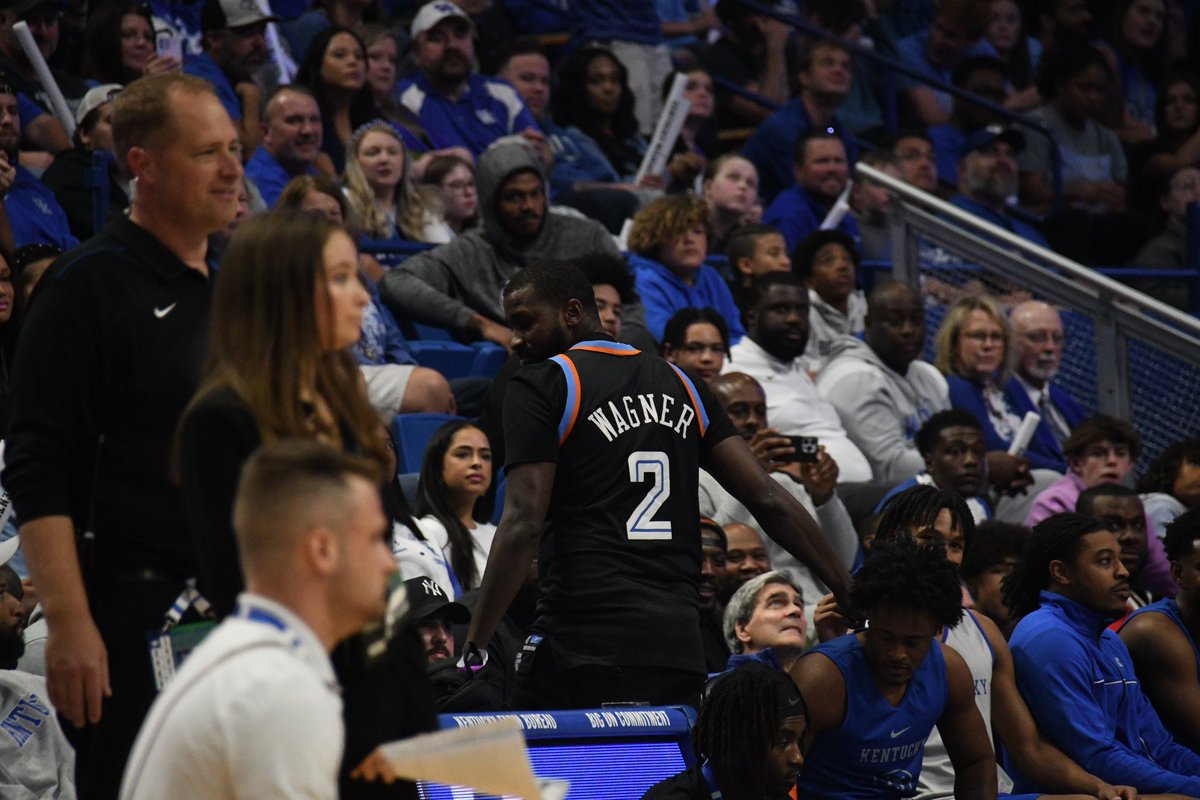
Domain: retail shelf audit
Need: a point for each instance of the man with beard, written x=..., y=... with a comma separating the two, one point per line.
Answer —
x=987, y=178
x=35, y=758
x=881, y=388
x=433, y=614
x=1119, y=509
x=291, y=141
x=31, y=213
x=811, y=484
x=821, y=170
x=457, y=285
x=456, y=107
x=713, y=547
x=1039, y=334
x=235, y=46
x=604, y=450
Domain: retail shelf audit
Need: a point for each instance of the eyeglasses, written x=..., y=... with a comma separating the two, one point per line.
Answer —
x=459, y=186
x=983, y=337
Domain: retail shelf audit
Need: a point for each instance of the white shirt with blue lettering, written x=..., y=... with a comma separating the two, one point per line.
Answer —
x=35, y=759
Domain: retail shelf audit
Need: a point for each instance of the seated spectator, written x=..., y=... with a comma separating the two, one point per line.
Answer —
x=748, y=740
x=994, y=553
x=455, y=106
x=861, y=691
x=301, y=30
x=955, y=34
x=292, y=135
x=1135, y=44
x=951, y=444
x=972, y=347
x=983, y=76
x=871, y=205
x=434, y=615
x=1068, y=587
x=383, y=68
x=388, y=204
x=577, y=159
x=987, y=179
x=118, y=44
x=745, y=558
x=457, y=286
x=824, y=75
x=827, y=262
x=753, y=51
x=753, y=250
x=698, y=135
x=617, y=304
x=43, y=17
x=34, y=214
x=773, y=354
x=713, y=547
x=1171, y=484
x=29, y=265
x=1064, y=22
x=918, y=163
x=454, y=503
x=849, y=21
x=1090, y=227
x=669, y=241
x=881, y=389
x=1119, y=510
x=235, y=46
x=1177, y=137
x=1038, y=332
x=1169, y=249
x=1161, y=641
x=334, y=71
x=696, y=339
x=68, y=176
x=821, y=173
x=1101, y=450
x=730, y=188
x=454, y=178
x=1017, y=50
x=765, y=622
x=812, y=483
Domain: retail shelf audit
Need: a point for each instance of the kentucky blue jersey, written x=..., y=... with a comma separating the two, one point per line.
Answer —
x=876, y=752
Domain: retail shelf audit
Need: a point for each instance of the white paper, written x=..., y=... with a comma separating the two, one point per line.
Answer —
x=57, y=102
x=666, y=131
x=1024, y=434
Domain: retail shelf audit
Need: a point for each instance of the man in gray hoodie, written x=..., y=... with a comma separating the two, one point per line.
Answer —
x=882, y=391
x=457, y=285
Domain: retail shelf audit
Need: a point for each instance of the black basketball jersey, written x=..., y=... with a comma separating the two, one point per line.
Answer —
x=619, y=558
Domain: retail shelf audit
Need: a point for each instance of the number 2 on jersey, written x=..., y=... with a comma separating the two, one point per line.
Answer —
x=649, y=465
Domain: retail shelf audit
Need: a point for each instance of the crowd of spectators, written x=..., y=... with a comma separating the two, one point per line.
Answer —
x=445, y=148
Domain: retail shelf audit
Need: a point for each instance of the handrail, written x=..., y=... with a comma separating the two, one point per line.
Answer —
x=893, y=66
x=1116, y=310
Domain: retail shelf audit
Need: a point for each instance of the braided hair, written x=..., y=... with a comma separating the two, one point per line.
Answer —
x=1056, y=538
x=917, y=508
x=737, y=725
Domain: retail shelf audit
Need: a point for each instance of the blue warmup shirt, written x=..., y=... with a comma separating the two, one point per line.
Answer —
x=663, y=293
x=876, y=754
x=795, y=213
x=202, y=66
x=269, y=175
x=487, y=110
x=1077, y=677
x=34, y=213
x=771, y=148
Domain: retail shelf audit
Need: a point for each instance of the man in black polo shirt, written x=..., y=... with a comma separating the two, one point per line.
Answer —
x=110, y=354
x=605, y=444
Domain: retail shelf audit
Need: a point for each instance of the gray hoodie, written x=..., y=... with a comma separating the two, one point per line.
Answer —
x=447, y=285
x=880, y=409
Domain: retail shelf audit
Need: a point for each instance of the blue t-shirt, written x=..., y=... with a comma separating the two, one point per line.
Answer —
x=913, y=51
x=269, y=175
x=34, y=213
x=487, y=110
x=202, y=66
x=771, y=148
x=616, y=20
x=876, y=754
x=795, y=213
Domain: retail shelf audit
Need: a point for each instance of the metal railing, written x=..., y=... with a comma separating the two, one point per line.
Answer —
x=1117, y=313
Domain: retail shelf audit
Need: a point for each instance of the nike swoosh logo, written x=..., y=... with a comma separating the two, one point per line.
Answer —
x=894, y=734
x=162, y=312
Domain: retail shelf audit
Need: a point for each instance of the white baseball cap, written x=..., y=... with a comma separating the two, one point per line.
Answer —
x=218, y=14
x=433, y=13
x=96, y=97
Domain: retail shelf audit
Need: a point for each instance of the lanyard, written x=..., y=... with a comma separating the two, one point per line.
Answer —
x=188, y=598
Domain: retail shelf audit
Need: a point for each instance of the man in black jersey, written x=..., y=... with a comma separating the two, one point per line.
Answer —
x=605, y=444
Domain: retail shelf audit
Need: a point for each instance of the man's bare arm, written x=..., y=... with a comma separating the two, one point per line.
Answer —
x=526, y=500
x=779, y=514
x=964, y=734
x=76, y=659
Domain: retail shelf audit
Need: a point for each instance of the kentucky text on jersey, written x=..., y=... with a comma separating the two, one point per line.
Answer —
x=25, y=717
x=882, y=755
x=642, y=409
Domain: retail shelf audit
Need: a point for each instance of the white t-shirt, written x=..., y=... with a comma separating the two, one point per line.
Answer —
x=481, y=535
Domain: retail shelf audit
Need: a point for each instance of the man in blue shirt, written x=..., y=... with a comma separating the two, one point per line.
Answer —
x=291, y=141
x=235, y=46
x=1077, y=675
x=987, y=178
x=457, y=107
x=821, y=173
x=31, y=211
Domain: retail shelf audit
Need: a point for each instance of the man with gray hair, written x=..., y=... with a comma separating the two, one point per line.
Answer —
x=765, y=622
x=1039, y=333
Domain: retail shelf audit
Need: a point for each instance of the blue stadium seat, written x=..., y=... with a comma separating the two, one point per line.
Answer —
x=410, y=484
x=489, y=357
x=451, y=359
x=412, y=432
